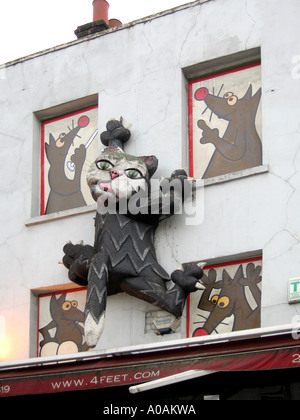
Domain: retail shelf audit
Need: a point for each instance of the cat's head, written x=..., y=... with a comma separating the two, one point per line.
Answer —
x=116, y=175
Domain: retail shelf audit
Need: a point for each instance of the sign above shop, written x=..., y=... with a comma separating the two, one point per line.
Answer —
x=258, y=353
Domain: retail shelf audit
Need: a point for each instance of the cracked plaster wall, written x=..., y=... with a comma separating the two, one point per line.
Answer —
x=137, y=73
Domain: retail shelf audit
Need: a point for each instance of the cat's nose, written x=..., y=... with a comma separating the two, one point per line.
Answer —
x=114, y=174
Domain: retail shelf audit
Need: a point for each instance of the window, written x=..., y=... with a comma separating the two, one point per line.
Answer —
x=69, y=146
x=231, y=300
x=225, y=122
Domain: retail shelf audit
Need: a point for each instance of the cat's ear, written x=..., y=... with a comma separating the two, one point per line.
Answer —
x=151, y=162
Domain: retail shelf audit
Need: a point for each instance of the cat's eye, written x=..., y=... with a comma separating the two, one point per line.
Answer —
x=133, y=174
x=104, y=165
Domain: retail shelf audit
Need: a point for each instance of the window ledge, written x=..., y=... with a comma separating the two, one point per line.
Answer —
x=60, y=215
x=90, y=209
x=236, y=175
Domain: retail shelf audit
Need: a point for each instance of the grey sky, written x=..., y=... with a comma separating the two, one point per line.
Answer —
x=28, y=26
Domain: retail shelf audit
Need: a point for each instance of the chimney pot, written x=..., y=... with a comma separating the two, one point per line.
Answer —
x=100, y=20
x=100, y=10
x=114, y=23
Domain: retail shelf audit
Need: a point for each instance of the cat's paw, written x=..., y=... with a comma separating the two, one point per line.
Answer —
x=188, y=277
x=77, y=259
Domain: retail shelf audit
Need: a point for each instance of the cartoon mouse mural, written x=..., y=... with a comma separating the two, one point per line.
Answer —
x=65, y=320
x=240, y=147
x=65, y=193
x=232, y=299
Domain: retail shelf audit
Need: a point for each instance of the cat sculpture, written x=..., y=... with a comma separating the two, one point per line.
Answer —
x=123, y=257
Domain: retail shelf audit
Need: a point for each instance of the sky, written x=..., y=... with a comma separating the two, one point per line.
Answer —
x=29, y=26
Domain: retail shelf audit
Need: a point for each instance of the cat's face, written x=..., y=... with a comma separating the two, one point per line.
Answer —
x=116, y=175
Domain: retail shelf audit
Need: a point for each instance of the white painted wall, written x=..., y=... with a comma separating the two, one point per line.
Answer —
x=137, y=73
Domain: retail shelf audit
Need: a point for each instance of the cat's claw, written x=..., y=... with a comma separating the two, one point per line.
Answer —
x=200, y=286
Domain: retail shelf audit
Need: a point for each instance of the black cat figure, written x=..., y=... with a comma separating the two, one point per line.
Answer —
x=123, y=257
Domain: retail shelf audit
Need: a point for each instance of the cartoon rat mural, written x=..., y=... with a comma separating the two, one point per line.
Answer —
x=123, y=257
x=231, y=300
x=240, y=147
x=65, y=320
x=65, y=193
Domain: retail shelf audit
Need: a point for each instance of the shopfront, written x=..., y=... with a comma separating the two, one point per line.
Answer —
x=255, y=364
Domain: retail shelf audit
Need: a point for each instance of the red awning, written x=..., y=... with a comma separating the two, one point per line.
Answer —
x=259, y=353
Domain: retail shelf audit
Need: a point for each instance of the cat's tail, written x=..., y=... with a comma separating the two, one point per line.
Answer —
x=96, y=299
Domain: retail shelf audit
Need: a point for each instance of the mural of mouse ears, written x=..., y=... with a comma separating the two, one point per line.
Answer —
x=225, y=110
